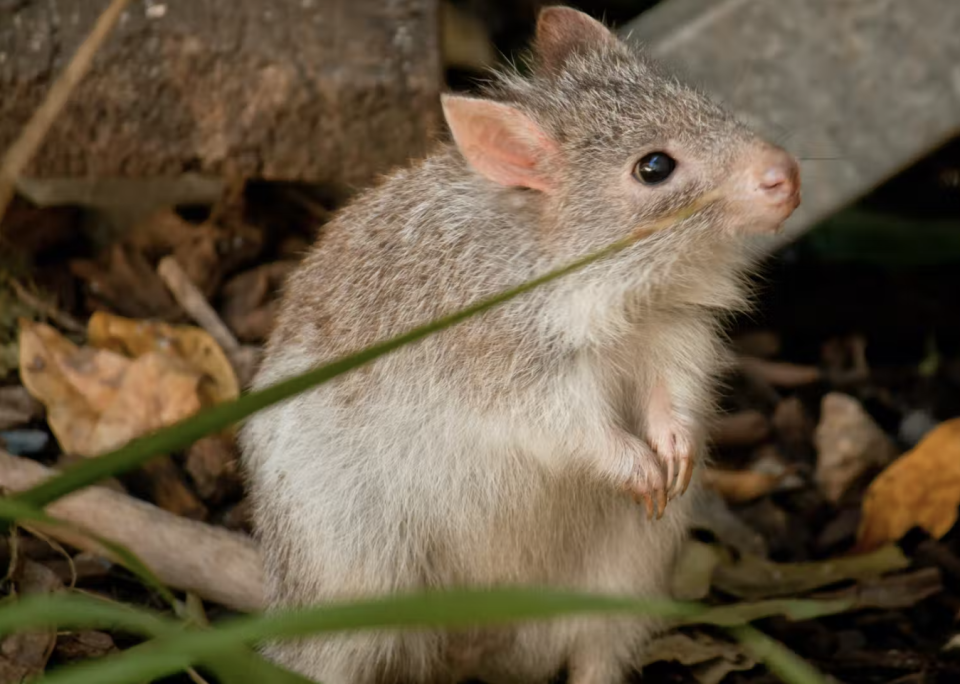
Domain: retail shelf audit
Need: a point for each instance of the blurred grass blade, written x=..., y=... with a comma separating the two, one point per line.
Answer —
x=246, y=667
x=447, y=609
x=781, y=661
x=744, y=613
x=76, y=611
x=13, y=510
x=455, y=608
x=237, y=664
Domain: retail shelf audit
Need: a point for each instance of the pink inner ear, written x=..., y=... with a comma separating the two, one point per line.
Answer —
x=499, y=142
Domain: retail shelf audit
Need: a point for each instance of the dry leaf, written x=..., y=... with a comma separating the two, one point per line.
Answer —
x=96, y=399
x=890, y=593
x=849, y=443
x=744, y=428
x=919, y=489
x=740, y=486
x=711, y=513
x=249, y=301
x=75, y=646
x=709, y=659
x=212, y=463
x=124, y=276
x=192, y=346
x=24, y=656
x=17, y=407
x=124, y=281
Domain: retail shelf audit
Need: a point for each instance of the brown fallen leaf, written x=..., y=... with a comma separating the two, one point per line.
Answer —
x=780, y=373
x=740, y=486
x=187, y=345
x=744, y=428
x=212, y=464
x=123, y=280
x=890, y=593
x=98, y=400
x=849, y=443
x=792, y=423
x=124, y=276
x=75, y=646
x=709, y=659
x=919, y=489
x=711, y=513
x=17, y=407
x=24, y=656
x=249, y=305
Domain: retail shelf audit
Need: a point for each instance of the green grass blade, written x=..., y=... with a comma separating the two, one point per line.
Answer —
x=447, y=609
x=736, y=614
x=76, y=611
x=13, y=510
x=246, y=667
x=781, y=661
x=456, y=608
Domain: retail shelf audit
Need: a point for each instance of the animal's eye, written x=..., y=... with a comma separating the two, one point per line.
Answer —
x=654, y=168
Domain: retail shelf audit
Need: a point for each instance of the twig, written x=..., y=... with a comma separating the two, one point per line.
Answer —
x=744, y=428
x=192, y=301
x=218, y=565
x=780, y=373
x=244, y=359
x=22, y=151
x=61, y=318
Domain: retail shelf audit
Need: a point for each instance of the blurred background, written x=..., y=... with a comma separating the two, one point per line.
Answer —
x=219, y=136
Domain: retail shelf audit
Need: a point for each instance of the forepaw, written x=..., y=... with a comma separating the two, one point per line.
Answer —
x=646, y=483
x=674, y=445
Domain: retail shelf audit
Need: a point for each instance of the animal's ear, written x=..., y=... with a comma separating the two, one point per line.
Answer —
x=561, y=31
x=499, y=141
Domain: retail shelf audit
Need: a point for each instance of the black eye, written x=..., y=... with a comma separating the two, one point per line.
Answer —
x=654, y=168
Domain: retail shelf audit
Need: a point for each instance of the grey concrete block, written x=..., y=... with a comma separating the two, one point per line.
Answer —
x=321, y=90
x=858, y=89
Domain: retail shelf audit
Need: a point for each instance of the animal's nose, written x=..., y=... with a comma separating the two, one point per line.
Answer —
x=776, y=177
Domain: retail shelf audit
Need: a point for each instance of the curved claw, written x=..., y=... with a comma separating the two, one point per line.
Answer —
x=649, y=501
x=671, y=474
x=661, y=502
x=683, y=478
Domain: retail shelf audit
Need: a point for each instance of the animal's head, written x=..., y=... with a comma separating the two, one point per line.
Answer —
x=610, y=144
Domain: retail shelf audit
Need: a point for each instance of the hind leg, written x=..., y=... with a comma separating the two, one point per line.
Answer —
x=603, y=653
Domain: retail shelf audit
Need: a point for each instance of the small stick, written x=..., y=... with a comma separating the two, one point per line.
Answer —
x=744, y=428
x=61, y=318
x=216, y=564
x=780, y=373
x=192, y=301
x=22, y=151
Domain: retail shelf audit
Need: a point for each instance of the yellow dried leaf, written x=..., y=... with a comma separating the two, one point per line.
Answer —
x=919, y=489
x=740, y=486
x=68, y=381
x=192, y=345
x=96, y=399
x=156, y=391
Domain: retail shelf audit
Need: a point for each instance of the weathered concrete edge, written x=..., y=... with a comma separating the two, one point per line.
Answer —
x=675, y=30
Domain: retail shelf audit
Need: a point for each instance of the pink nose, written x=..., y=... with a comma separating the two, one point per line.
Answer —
x=776, y=178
